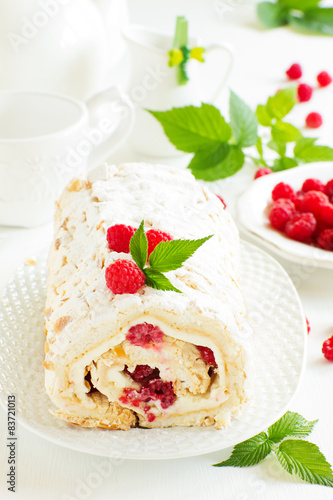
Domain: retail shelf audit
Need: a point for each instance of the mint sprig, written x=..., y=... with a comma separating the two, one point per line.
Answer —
x=166, y=256
x=220, y=148
x=303, y=15
x=296, y=456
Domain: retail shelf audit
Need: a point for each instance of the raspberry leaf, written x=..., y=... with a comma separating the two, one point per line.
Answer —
x=291, y=424
x=139, y=246
x=264, y=118
x=192, y=128
x=243, y=122
x=305, y=460
x=249, y=452
x=211, y=165
x=318, y=20
x=272, y=15
x=284, y=163
x=157, y=280
x=299, y=4
x=307, y=152
x=279, y=105
x=278, y=147
x=285, y=132
x=170, y=255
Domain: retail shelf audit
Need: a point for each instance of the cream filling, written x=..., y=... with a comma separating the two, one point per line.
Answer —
x=177, y=359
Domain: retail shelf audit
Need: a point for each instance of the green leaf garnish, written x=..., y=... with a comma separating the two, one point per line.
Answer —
x=166, y=256
x=291, y=424
x=155, y=279
x=243, y=122
x=285, y=132
x=191, y=129
x=295, y=455
x=272, y=15
x=302, y=5
x=217, y=163
x=249, y=452
x=306, y=461
x=264, y=118
x=170, y=255
x=139, y=246
x=279, y=105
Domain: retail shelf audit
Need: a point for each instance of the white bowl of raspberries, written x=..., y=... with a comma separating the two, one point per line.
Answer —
x=291, y=212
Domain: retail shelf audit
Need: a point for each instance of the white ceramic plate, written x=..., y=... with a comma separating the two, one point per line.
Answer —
x=274, y=313
x=253, y=221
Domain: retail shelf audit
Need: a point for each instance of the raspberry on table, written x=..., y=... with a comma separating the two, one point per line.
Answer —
x=312, y=201
x=329, y=188
x=119, y=237
x=313, y=185
x=304, y=92
x=325, y=213
x=280, y=213
x=124, y=276
x=222, y=201
x=144, y=335
x=155, y=237
x=327, y=349
x=283, y=190
x=301, y=227
x=294, y=72
x=324, y=79
x=207, y=355
x=314, y=120
x=262, y=171
x=325, y=239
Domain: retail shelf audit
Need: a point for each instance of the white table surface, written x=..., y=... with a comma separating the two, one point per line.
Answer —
x=47, y=471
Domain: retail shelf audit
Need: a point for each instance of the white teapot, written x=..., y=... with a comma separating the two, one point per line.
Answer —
x=64, y=46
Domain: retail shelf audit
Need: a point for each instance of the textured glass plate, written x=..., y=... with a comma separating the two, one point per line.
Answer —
x=274, y=313
x=253, y=221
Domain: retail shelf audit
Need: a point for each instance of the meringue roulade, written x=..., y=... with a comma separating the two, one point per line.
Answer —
x=152, y=358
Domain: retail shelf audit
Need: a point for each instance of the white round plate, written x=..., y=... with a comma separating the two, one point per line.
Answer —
x=253, y=221
x=274, y=313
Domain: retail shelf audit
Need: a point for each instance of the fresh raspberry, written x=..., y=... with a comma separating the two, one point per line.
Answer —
x=320, y=227
x=313, y=185
x=312, y=201
x=324, y=79
x=119, y=237
x=325, y=213
x=222, y=201
x=294, y=72
x=155, y=237
x=144, y=335
x=308, y=327
x=280, y=213
x=327, y=349
x=329, y=188
x=207, y=355
x=142, y=373
x=159, y=390
x=325, y=239
x=314, y=120
x=304, y=92
x=262, y=171
x=298, y=200
x=124, y=276
x=283, y=190
x=301, y=227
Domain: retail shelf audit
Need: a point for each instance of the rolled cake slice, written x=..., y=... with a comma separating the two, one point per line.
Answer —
x=152, y=358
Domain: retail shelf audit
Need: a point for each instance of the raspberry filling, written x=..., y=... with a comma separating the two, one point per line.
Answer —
x=207, y=355
x=153, y=388
x=144, y=335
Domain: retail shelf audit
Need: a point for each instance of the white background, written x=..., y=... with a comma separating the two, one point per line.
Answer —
x=47, y=471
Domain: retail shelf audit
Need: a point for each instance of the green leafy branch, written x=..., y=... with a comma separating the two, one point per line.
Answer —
x=166, y=256
x=218, y=146
x=296, y=456
x=304, y=15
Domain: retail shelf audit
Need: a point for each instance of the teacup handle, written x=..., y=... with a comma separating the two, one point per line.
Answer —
x=111, y=115
x=225, y=48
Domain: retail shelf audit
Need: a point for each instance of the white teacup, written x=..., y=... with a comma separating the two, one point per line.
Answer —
x=154, y=84
x=46, y=139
